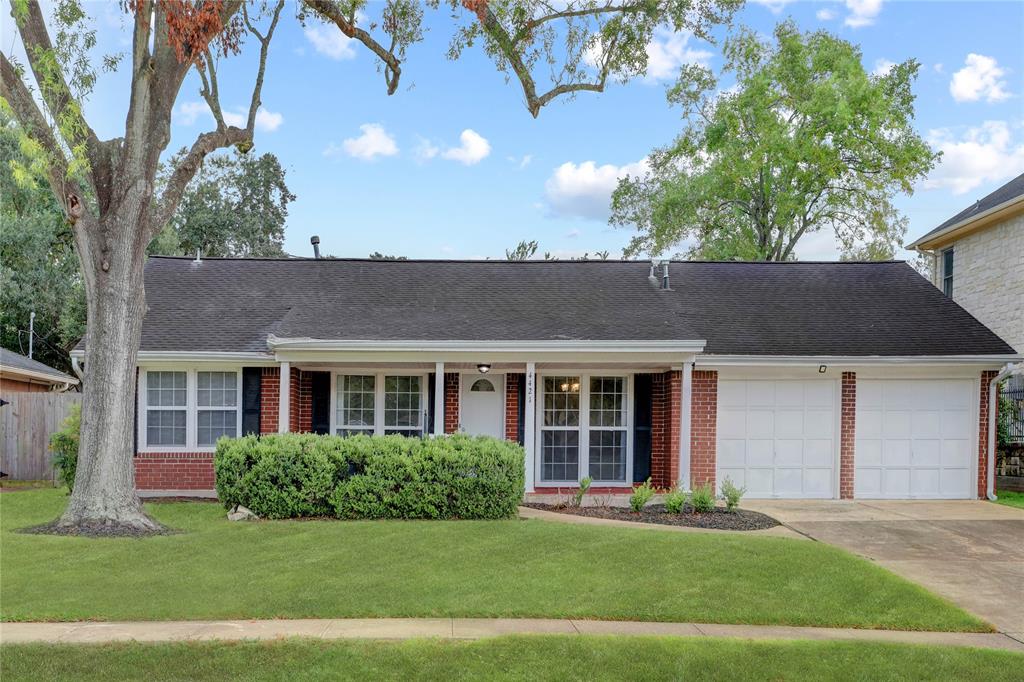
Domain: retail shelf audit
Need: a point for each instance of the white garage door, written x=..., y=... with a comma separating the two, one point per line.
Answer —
x=915, y=438
x=778, y=438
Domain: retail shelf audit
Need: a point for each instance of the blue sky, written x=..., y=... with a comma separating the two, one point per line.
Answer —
x=453, y=166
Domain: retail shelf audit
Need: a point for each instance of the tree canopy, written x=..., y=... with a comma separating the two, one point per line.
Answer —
x=804, y=140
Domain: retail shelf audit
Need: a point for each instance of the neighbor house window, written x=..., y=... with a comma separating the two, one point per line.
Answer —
x=217, y=406
x=947, y=272
x=166, y=408
x=584, y=429
x=379, y=404
x=356, y=397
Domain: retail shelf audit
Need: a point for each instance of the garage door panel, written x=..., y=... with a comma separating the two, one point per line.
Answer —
x=915, y=438
x=787, y=429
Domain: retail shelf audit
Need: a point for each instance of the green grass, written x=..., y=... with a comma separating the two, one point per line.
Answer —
x=216, y=569
x=510, y=658
x=1010, y=499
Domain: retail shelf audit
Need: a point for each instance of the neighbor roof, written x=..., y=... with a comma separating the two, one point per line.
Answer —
x=17, y=364
x=802, y=308
x=1014, y=189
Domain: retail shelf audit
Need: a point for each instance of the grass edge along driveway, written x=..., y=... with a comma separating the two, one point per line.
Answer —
x=216, y=569
x=537, y=657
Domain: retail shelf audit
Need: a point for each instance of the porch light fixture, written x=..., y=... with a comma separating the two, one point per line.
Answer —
x=483, y=368
x=822, y=368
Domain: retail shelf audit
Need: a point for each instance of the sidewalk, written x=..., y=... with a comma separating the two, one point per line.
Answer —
x=459, y=628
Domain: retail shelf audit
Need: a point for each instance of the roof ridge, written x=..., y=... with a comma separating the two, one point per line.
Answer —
x=496, y=261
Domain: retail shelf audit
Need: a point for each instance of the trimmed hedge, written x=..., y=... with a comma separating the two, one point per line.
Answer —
x=370, y=477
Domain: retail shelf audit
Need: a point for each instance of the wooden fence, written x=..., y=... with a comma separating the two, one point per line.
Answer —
x=26, y=425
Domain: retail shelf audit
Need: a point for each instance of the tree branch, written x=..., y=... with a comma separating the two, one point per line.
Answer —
x=529, y=26
x=257, y=90
x=331, y=12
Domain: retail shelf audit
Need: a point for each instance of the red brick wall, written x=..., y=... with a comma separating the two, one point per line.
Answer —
x=174, y=471
x=986, y=379
x=847, y=434
x=512, y=406
x=451, y=402
x=303, y=405
x=666, y=413
x=703, y=426
x=270, y=386
x=293, y=399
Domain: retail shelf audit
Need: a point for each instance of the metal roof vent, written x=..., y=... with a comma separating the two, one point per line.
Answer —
x=315, y=241
x=664, y=275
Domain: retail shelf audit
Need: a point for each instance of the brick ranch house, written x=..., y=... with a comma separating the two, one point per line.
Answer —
x=796, y=380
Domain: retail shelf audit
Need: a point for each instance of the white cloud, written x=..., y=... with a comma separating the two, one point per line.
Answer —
x=187, y=113
x=862, y=12
x=939, y=68
x=474, y=148
x=774, y=6
x=668, y=52
x=825, y=14
x=573, y=233
x=984, y=154
x=330, y=42
x=882, y=67
x=585, y=190
x=979, y=79
x=425, y=150
x=520, y=161
x=374, y=142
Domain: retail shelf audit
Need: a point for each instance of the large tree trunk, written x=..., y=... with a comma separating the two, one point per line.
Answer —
x=104, y=499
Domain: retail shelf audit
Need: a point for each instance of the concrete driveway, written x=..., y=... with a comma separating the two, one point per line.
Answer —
x=969, y=551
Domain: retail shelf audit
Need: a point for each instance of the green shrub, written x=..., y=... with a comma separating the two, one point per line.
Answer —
x=577, y=498
x=674, y=501
x=64, y=445
x=702, y=498
x=641, y=495
x=732, y=494
x=370, y=477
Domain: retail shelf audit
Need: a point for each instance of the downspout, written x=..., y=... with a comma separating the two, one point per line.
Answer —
x=76, y=368
x=993, y=408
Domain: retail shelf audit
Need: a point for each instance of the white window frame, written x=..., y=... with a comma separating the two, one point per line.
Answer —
x=225, y=408
x=583, y=428
x=191, y=406
x=950, y=272
x=378, y=400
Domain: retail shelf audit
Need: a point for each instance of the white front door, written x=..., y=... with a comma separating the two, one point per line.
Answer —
x=916, y=438
x=778, y=438
x=481, y=405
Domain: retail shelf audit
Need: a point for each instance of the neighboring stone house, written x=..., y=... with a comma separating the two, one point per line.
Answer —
x=978, y=260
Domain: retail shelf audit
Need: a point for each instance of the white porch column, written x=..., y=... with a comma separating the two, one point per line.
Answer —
x=529, y=423
x=439, y=399
x=684, y=425
x=283, y=398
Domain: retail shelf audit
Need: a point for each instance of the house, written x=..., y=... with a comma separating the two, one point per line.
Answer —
x=19, y=374
x=795, y=380
x=978, y=260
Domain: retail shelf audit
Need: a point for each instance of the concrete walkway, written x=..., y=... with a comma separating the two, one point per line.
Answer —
x=545, y=515
x=458, y=628
x=969, y=551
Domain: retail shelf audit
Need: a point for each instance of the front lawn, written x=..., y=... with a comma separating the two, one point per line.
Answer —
x=1010, y=499
x=510, y=658
x=217, y=569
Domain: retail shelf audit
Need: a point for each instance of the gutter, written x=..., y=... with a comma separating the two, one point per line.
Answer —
x=1007, y=371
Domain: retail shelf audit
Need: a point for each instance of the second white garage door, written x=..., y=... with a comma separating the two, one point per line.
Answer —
x=915, y=438
x=778, y=438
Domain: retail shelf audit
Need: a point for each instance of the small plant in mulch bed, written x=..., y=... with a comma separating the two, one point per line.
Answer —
x=732, y=494
x=641, y=496
x=577, y=498
x=702, y=498
x=675, y=500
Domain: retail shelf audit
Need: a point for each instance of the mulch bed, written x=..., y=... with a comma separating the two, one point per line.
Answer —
x=98, y=530
x=719, y=519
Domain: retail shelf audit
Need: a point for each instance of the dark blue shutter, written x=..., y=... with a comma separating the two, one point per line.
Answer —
x=642, y=421
x=320, y=399
x=251, y=387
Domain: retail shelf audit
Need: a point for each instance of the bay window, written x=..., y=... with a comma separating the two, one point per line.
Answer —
x=584, y=429
x=379, y=404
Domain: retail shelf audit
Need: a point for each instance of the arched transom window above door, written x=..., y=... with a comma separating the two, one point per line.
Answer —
x=482, y=386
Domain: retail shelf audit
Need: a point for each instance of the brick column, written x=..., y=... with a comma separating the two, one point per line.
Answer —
x=847, y=434
x=269, y=388
x=512, y=406
x=666, y=409
x=304, y=404
x=451, y=402
x=293, y=401
x=703, y=427
x=659, y=463
x=986, y=378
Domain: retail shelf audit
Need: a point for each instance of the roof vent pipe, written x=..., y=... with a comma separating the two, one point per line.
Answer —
x=198, y=256
x=315, y=241
x=664, y=275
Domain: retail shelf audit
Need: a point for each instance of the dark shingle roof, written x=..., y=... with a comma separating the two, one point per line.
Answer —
x=1011, y=190
x=9, y=360
x=738, y=308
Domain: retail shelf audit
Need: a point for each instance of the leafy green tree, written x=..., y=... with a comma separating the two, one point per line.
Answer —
x=38, y=266
x=108, y=188
x=804, y=140
x=236, y=205
x=377, y=255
